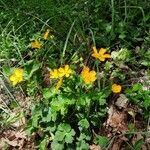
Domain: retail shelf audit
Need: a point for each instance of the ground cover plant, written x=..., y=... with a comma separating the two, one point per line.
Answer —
x=75, y=74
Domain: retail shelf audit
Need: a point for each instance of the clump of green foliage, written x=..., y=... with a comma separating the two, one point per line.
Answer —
x=66, y=118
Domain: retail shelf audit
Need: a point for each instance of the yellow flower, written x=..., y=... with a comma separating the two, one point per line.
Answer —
x=101, y=55
x=116, y=88
x=36, y=44
x=61, y=72
x=17, y=76
x=54, y=74
x=59, y=83
x=46, y=34
x=66, y=71
x=88, y=76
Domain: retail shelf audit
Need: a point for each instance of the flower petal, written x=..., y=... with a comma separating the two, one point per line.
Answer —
x=102, y=51
x=107, y=55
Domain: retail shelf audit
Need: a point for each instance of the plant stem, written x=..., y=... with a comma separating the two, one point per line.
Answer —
x=112, y=17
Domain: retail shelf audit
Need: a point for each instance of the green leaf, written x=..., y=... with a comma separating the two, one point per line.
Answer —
x=43, y=144
x=100, y=97
x=30, y=68
x=84, y=123
x=29, y=130
x=82, y=145
x=64, y=127
x=64, y=133
x=55, y=145
x=122, y=55
x=59, y=136
x=14, y=117
x=35, y=120
x=69, y=138
x=136, y=87
x=138, y=144
x=108, y=65
x=13, y=104
x=7, y=71
x=84, y=136
x=101, y=140
x=147, y=101
x=145, y=63
x=49, y=93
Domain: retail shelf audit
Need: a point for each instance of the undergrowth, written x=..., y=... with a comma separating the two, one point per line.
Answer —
x=73, y=60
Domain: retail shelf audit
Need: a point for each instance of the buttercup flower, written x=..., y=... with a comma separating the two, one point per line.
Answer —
x=36, y=44
x=116, y=88
x=66, y=71
x=59, y=83
x=88, y=76
x=46, y=34
x=54, y=74
x=17, y=76
x=101, y=55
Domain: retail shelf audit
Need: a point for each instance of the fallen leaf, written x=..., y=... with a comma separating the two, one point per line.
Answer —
x=122, y=101
x=13, y=143
x=116, y=120
x=95, y=147
x=117, y=144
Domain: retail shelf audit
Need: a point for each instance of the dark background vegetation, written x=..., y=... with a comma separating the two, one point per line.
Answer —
x=124, y=22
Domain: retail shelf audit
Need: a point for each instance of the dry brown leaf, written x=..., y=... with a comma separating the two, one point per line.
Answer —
x=116, y=120
x=21, y=134
x=15, y=139
x=117, y=145
x=13, y=143
x=122, y=101
x=95, y=147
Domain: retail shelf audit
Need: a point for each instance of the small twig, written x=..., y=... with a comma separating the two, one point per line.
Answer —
x=5, y=105
x=148, y=124
x=111, y=142
x=12, y=97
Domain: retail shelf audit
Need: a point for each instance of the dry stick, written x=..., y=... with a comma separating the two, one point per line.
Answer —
x=12, y=97
x=148, y=124
x=148, y=132
x=5, y=105
x=111, y=142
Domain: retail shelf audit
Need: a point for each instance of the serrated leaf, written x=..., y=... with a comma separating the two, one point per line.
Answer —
x=55, y=145
x=82, y=145
x=59, y=136
x=68, y=138
x=48, y=93
x=64, y=127
x=84, y=123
